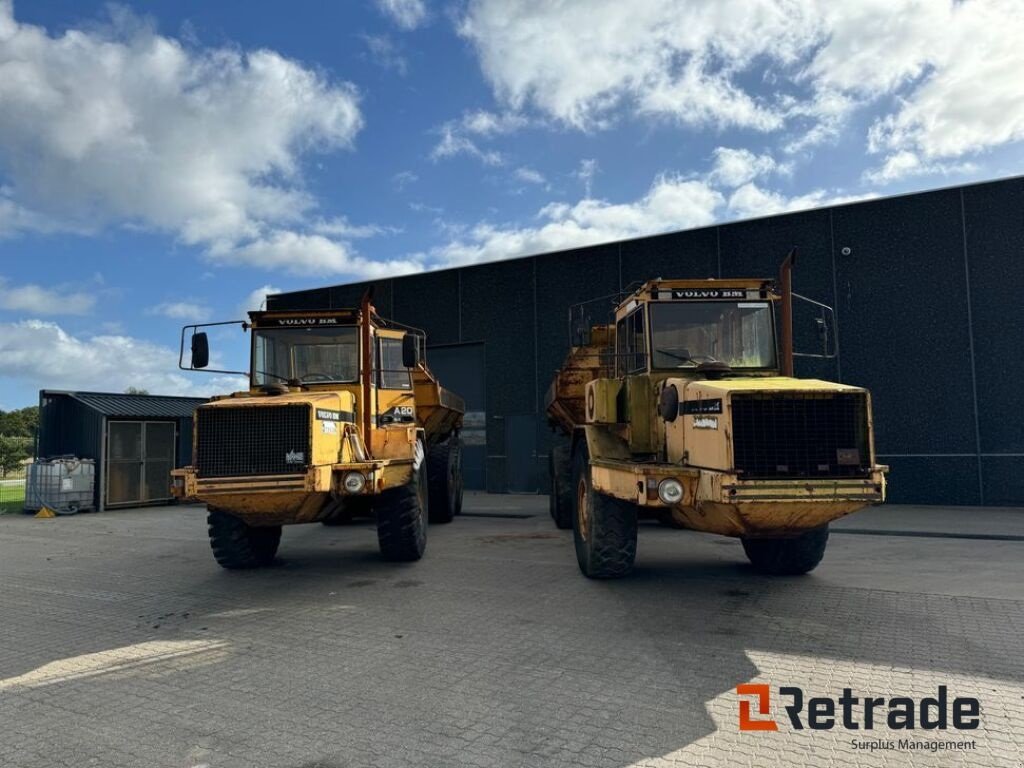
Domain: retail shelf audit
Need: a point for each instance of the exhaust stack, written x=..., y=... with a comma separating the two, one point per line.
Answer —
x=786, y=284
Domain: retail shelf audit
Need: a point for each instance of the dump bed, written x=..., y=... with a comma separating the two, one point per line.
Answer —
x=566, y=397
x=439, y=410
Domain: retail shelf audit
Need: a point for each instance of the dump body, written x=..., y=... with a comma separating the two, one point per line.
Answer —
x=680, y=410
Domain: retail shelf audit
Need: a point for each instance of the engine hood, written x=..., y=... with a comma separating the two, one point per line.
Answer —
x=707, y=432
x=333, y=401
x=708, y=388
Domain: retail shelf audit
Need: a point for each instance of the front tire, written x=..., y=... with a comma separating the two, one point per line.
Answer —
x=560, y=499
x=787, y=557
x=237, y=545
x=444, y=469
x=604, y=528
x=402, y=515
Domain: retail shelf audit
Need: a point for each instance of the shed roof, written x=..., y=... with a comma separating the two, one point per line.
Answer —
x=134, y=406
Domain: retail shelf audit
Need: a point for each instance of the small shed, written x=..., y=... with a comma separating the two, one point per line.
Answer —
x=135, y=440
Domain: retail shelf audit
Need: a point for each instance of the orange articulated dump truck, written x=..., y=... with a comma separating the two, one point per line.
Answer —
x=342, y=418
x=684, y=406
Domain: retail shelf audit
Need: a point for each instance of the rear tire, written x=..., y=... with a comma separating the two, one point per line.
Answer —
x=560, y=497
x=787, y=557
x=402, y=515
x=604, y=528
x=237, y=545
x=444, y=470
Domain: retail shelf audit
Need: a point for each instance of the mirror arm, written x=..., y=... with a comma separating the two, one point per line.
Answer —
x=825, y=310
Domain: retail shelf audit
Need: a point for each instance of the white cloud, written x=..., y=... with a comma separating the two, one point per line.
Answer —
x=671, y=203
x=945, y=74
x=529, y=175
x=955, y=65
x=905, y=163
x=15, y=217
x=403, y=179
x=386, y=53
x=751, y=200
x=40, y=300
x=257, y=299
x=587, y=171
x=454, y=142
x=312, y=254
x=734, y=167
x=181, y=310
x=462, y=136
x=577, y=61
x=120, y=125
x=47, y=357
x=419, y=207
x=340, y=227
x=408, y=14
x=959, y=109
x=484, y=123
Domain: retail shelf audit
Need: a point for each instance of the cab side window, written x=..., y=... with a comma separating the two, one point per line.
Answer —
x=621, y=344
x=392, y=375
x=631, y=343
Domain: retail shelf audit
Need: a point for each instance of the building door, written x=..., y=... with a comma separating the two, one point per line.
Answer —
x=460, y=368
x=521, y=452
x=157, y=460
x=140, y=457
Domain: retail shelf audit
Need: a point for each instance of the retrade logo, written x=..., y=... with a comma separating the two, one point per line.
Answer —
x=851, y=712
x=762, y=694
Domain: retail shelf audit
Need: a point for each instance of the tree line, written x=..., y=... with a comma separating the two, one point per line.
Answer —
x=17, y=437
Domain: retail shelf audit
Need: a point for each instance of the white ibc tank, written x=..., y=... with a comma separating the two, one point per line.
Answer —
x=64, y=484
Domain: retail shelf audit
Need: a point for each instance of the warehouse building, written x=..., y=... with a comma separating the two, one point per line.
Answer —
x=924, y=288
x=134, y=440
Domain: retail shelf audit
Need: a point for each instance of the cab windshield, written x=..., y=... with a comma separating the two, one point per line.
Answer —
x=306, y=355
x=686, y=334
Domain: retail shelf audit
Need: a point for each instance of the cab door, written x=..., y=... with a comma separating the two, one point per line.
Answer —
x=394, y=393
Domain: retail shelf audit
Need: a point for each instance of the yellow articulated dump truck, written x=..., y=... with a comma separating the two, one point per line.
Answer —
x=685, y=408
x=342, y=418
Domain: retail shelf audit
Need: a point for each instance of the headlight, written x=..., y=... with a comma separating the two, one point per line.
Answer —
x=670, y=491
x=355, y=482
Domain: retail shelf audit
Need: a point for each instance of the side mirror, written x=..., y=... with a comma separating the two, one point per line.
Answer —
x=824, y=326
x=410, y=350
x=823, y=334
x=200, y=350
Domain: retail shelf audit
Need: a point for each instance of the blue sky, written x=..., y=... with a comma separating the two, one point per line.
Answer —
x=172, y=161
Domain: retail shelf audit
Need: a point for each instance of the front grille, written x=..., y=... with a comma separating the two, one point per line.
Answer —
x=268, y=440
x=800, y=434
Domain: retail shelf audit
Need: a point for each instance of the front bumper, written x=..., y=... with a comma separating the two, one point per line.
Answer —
x=299, y=497
x=380, y=475
x=722, y=502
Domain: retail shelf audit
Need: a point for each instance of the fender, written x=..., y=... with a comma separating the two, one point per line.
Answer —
x=601, y=443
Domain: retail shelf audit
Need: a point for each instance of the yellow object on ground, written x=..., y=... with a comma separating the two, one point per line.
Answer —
x=46, y=512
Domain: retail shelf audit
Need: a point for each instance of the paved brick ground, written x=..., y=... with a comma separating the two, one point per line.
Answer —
x=123, y=644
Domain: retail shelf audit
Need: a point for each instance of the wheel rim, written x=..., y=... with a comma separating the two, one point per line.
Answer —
x=582, y=512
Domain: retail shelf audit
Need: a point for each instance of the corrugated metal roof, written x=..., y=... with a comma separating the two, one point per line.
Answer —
x=135, y=406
